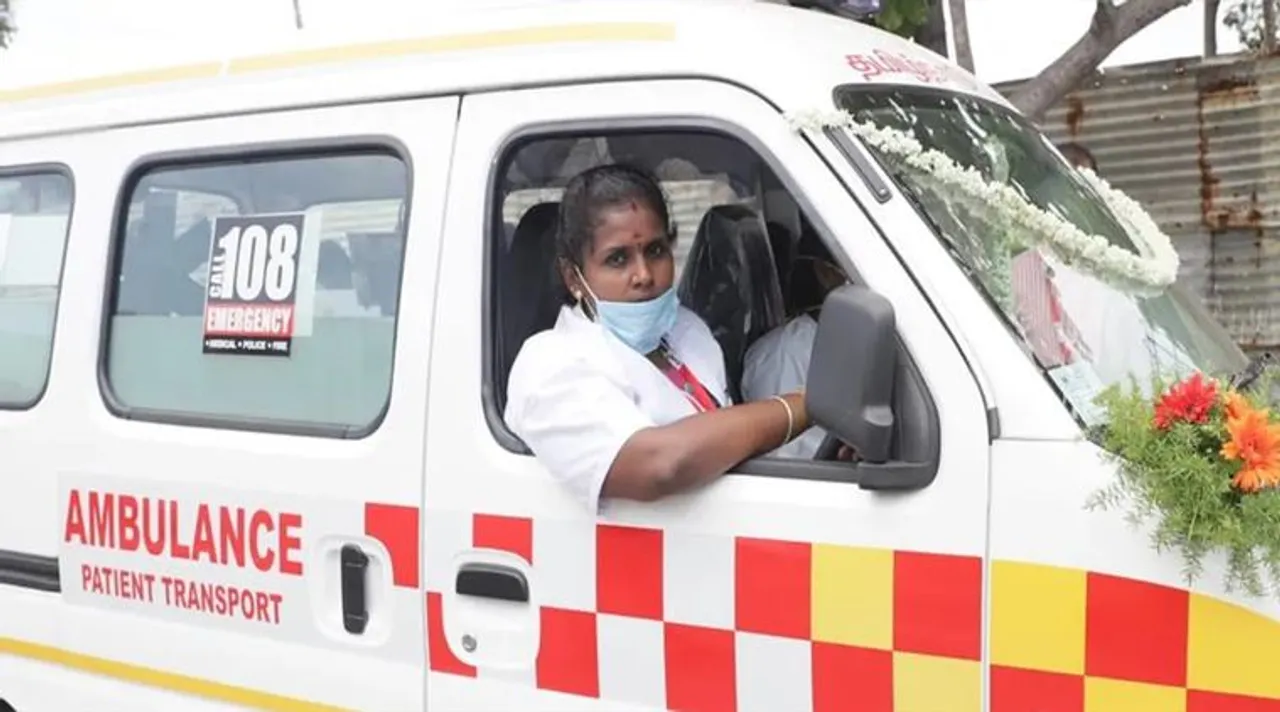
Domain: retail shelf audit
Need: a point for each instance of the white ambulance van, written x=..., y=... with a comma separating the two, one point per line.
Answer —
x=256, y=318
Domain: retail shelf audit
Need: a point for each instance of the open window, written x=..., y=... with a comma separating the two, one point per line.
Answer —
x=742, y=236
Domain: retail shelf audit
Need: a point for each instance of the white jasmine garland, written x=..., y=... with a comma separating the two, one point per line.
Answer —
x=1029, y=225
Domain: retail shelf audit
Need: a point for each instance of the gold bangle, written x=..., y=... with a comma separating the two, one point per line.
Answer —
x=791, y=419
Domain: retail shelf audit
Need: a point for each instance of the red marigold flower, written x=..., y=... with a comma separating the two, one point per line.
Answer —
x=1189, y=401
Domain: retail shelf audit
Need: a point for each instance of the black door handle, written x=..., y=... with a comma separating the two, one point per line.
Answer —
x=355, y=606
x=492, y=581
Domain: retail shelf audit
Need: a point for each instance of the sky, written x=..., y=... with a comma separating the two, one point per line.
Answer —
x=130, y=34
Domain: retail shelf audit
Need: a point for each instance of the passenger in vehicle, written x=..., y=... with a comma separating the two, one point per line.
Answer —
x=778, y=362
x=625, y=397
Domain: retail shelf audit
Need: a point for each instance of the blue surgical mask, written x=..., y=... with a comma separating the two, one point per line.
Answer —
x=640, y=325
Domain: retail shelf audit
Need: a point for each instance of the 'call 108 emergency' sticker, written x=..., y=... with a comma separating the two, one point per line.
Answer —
x=251, y=293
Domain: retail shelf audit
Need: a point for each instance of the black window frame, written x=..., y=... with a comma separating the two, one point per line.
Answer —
x=813, y=470
x=36, y=169
x=257, y=152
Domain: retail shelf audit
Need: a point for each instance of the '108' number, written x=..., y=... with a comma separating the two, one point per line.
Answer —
x=253, y=262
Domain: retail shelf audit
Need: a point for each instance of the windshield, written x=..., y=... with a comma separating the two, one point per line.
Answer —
x=1085, y=332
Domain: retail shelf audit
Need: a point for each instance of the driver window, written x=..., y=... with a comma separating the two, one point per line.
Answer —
x=748, y=262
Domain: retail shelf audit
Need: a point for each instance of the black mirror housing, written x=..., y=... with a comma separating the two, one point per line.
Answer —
x=850, y=385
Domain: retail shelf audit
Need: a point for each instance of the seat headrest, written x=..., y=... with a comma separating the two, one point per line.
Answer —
x=333, y=268
x=731, y=282
x=528, y=298
x=531, y=257
x=535, y=225
x=732, y=248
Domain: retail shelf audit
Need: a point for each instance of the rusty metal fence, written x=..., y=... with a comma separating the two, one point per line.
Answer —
x=1197, y=142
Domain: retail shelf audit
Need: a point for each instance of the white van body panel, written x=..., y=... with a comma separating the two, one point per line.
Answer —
x=551, y=42
x=1030, y=483
x=32, y=685
x=329, y=482
x=1009, y=494
x=704, y=525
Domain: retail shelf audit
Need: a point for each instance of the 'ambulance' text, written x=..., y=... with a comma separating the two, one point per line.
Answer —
x=231, y=536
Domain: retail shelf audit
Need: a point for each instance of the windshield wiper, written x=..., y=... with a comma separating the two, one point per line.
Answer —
x=1247, y=376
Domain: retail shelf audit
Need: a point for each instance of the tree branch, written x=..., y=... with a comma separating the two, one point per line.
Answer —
x=1111, y=25
x=1104, y=17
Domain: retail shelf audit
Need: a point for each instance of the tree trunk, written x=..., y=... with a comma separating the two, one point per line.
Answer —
x=297, y=14
x=1111, y=26
x=960, y=34
x=933, y=33
x=1211, y=27
x=1268, y=27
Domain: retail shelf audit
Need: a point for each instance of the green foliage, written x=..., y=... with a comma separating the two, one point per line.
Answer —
x=904, y=17
x=1246, y=18
x=1178, y=478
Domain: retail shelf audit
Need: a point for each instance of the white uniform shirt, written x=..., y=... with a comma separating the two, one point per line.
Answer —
x=778, y=363
x=576, y=394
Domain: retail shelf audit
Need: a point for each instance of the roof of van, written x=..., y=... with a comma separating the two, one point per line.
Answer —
x=792, y=56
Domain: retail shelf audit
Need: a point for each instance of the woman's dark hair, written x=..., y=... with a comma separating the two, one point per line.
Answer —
x=596, y=190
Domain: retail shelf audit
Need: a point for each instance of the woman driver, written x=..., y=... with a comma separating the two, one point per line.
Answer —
x=625, y=396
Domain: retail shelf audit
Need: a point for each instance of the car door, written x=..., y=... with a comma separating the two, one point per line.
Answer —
x=784, y=585
x=226, y=475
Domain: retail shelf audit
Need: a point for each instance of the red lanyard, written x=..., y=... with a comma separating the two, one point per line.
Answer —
x=680, y=375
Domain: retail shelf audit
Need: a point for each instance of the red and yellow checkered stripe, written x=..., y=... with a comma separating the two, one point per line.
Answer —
x=1068, y=640
x=890, y=631
x=884, y=630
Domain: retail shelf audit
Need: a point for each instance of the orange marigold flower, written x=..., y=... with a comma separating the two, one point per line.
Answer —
x=1189, y=400
x=1235, y=404
x=1255, y=442
x=1250, y=480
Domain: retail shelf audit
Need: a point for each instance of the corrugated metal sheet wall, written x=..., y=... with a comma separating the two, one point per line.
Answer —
x=1198, y=144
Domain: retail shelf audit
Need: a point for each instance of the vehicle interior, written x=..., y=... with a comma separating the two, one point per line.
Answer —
x=739, y=232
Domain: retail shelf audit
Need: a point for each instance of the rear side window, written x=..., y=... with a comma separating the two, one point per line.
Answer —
x=35, y=213
x=259, y=292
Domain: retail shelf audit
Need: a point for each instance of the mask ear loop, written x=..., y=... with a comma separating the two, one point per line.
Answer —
x=588, y=306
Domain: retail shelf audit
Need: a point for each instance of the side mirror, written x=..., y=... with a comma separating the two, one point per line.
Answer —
x=851, y=372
